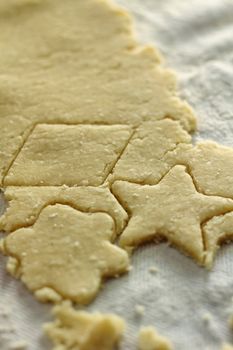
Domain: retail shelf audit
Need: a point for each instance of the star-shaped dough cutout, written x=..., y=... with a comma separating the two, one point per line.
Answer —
x=172, y=209
x=67, y=252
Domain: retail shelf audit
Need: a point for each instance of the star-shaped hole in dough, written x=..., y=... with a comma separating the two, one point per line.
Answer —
x=172, y=209
x=68, y=252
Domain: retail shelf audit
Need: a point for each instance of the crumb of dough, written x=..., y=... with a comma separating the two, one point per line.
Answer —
x=130, y=268
x=13, y=266
x=19, y=345
x=207, y=317
x=173, y=209
x=84, y=331
x=149, y=339
x=139, y=310
x=47, y=295
x=227, y=347
x=153, y=270
x=49, y=255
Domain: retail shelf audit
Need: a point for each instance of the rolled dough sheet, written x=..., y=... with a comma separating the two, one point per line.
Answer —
x=24, y=134
x=81, y=54
x=79, y=145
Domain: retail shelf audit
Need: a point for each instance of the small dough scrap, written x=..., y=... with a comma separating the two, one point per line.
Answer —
x=227, y=347
x=25, y=204
x=19, y=345
x=217, y=231
x=60, y=72
x=172, y=209
x=210, y=164
x=80, y=330
x=48, y=295
x=149, y=339
x=13, y=266
x=68, y=251
x=55, y=155
x=143, y=160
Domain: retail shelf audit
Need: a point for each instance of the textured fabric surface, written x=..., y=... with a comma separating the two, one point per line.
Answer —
x=183, y=301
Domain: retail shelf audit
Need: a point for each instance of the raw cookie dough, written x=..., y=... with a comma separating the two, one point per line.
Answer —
x=26, y=203
x=158, y=146
x=227, y=347
x=149, y=339
x=54, y=155
x=143, y=159
x=172, y=209
x=80, y=330
x=67, y=251
x=210, y=164
x=77, y=62
x=217, y=231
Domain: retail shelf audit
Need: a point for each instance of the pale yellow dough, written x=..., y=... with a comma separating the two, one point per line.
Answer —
x=84, y=112
x=73, y=92
x=80, y=330
x=172, y=209
x=154, y=149
x=76, y=62
x=26, y=203
x=81, y=109
x=210, y=164
x=67, y=251
x=149, y=339
x=143, y=160
x=216, y=231
x=227, y=347
x=68, y=154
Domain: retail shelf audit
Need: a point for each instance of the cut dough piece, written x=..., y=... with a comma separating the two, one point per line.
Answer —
x=68, y=251
x=210, y=164
x=78, y=62
x=80, y=330
x=149, y=339
x=172, y=209
x=25, y=204
x=68, y=154
x=142, y=160
x=216, y=231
